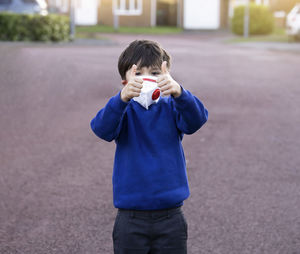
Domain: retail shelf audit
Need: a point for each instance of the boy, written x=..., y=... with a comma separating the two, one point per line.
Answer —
x=149, y=176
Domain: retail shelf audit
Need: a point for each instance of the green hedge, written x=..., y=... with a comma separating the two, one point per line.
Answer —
x=33, y=27
x=261, y=20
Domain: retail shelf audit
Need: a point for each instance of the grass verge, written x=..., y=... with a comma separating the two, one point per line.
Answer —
x=96, y=31
x=278, y=35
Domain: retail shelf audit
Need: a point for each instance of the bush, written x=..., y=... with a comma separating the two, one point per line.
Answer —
x=261, y=20
x=33, y=27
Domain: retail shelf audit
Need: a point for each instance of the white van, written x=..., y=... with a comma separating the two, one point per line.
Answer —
x=293, y=22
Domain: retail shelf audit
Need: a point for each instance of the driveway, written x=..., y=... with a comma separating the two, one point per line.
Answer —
x=243, y=164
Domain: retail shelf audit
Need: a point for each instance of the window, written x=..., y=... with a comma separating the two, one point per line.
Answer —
x=5, y=1
x=29, y=1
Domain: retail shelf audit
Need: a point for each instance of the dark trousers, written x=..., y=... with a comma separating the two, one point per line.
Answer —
x=150, y=232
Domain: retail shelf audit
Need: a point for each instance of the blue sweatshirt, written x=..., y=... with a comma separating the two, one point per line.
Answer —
x=149, y=166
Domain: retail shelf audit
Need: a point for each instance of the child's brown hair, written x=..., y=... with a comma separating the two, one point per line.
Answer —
x=143, y=53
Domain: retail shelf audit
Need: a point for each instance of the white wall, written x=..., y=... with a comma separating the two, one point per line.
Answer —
x=201, y=14
x=265, y=2
x=86, y=12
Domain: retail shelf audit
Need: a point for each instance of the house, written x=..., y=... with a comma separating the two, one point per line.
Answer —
x=188, y=14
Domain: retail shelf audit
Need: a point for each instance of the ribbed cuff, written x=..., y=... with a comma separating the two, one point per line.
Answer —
x=117, y=104
x=183, y=97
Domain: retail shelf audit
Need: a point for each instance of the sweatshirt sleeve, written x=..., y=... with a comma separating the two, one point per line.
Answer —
x=106, y=124
x=190, y=114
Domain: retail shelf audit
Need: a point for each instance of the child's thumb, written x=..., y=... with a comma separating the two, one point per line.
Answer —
x=164, y=68
x=133, y=71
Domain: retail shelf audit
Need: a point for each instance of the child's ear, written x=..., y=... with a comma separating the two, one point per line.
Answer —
x=124, y=82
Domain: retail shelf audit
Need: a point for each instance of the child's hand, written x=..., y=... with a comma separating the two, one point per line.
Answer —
x=167, y=84
x=133, y=87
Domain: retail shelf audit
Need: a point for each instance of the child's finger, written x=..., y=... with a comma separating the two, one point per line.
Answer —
x=164, y=82
x=167, y=92
x=139, y=80
x=135, y=89
x=136, y=84
x=133, y=71
x=135, y=94
x=161, y=78
x=164, y=67
x=166, y=88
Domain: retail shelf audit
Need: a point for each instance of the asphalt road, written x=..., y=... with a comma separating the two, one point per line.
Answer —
x=243, y=165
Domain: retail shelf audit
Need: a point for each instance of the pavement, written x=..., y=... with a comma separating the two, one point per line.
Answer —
x=293, y=47
x=242, y=165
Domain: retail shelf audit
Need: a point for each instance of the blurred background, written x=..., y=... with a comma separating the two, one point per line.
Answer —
x=58, y=68
x=277, y=17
